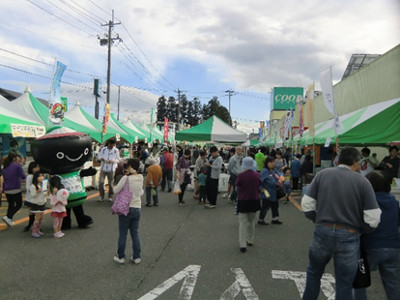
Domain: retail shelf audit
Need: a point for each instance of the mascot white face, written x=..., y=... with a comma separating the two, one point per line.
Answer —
x=62, y=150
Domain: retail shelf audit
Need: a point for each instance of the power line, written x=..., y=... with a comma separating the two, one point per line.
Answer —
x=50, y=13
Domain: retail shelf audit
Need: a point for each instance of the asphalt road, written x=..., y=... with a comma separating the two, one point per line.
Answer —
x=187, y=253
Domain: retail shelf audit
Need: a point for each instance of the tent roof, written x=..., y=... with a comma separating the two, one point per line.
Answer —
x=130, y=135
x=375, y=124
x=212, y=129
x=136, y=128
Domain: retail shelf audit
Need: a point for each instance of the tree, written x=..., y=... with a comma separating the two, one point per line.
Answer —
x=197, y=111
x=161, y=109
x=214, y=108
x=183, y=109
x=172, y=110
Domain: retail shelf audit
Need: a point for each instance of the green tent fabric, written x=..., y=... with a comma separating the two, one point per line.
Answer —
x=376, y=124
x=8, y=123
x=212, y=129
x=125, y=131
x=152, y=133
x=137, y=129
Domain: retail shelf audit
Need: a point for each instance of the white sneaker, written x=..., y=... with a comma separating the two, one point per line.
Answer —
x=225, y=196
x=110, y=199
x=100, y=200
x=8, y=221
x=119, y=260
x=136, y=261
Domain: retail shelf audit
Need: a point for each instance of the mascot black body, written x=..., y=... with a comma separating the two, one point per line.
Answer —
x=62, y=152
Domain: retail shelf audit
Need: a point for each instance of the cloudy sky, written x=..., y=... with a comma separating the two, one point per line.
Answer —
x=202, y=48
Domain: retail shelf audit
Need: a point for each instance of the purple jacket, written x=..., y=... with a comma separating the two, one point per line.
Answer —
x=248, y=185
x=12, y=176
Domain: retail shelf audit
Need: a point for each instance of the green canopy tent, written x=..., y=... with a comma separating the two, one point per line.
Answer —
x=130, y=135
x=375, y=124
x=152, y=133
x=212, y=129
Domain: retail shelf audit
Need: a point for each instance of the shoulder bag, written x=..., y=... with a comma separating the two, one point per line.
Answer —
x=122, y=200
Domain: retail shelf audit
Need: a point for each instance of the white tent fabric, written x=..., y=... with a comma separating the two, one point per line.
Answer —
x=75, y=115
x=223, y=132
x=128, y=123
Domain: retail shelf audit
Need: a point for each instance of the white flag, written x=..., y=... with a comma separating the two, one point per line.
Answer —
x=327, y=90
x=337, y=125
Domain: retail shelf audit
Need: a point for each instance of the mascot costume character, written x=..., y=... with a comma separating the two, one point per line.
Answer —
x=62, y=152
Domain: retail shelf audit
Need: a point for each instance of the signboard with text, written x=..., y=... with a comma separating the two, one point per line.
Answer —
x=285, y=98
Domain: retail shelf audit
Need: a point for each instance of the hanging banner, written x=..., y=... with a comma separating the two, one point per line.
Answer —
x=165, y=130
x=327, y=90
x=310, y=109
x=56, y=110
x=64, y=103
x=106, y=117
x=301, y=118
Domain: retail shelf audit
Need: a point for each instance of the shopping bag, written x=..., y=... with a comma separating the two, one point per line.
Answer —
x=363, y=275
x=177, y=188
x=122, y=200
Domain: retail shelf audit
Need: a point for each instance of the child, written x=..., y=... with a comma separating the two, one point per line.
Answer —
x=38, y=201
x=32, y=168
x=58, y=212
x=287, y=183
x=202, y=178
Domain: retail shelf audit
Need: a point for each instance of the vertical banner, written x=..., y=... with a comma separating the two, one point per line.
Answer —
x=64, y=103
x=261, y=131
x=310, y=109
x=327, y=91
x=106, y=117
x=165, y=130
x=301, y=117
x=56, y=110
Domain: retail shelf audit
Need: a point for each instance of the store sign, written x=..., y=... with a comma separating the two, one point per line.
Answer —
x=27, y=131
x=285, y=98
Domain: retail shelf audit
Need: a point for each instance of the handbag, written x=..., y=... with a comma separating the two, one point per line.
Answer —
x=280, y=193
x=122, y=200
x=363, y=275
x=177, y=188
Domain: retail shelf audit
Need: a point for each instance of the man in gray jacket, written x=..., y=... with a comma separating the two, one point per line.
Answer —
x=234, y=168
x=341, y=203
x=214, y=165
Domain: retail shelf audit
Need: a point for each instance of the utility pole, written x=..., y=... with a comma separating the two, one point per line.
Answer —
x=109, y=42
x=230, y=93
x=119, y=99
x=179, y=109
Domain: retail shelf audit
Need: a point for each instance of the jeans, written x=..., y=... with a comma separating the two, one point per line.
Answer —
x=183, y=188
x=387, y=260
x=232, y=180
x=265, y=205
x=14, y=204
x=212, y=190
x=109, y=176
x=343, y=246
x=166, y=179
x=247, y=222
x=148, y=195
x=131, y=222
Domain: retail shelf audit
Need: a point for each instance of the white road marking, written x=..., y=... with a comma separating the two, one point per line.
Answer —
x=241, y=284
x=299, y=279
x=190, y=274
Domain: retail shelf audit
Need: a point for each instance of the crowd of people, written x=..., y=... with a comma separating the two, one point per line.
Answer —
x=345, y=202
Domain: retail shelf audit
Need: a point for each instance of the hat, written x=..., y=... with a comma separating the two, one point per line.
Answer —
x=248, y=163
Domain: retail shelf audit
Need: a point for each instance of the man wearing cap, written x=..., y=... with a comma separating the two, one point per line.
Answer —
x=109, y=157
x=342, y=204
x=214, y=165
x=167, y=164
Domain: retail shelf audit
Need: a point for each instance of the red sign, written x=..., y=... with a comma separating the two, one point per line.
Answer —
x=165, y=130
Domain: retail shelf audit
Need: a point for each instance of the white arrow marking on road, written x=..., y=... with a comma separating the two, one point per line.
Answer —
x=241, y=284
x=190, y=274
x=299, y=279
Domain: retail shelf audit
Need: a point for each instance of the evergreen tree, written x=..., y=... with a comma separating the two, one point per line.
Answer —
x=183, y=109
x=161, y=109
x=197, y=111
x=172, y=110
x=191, y=118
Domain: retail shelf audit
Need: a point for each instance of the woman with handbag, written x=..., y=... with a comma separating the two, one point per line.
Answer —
x=269, y=192
x=383, y=245
x=130, y=185
x=183, y=174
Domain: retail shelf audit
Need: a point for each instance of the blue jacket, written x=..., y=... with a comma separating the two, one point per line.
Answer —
x=386, y=234
x=269, y=182
x=295, y=169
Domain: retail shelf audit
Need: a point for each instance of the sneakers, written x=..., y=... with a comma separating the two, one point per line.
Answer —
x=262, y=222
x=119, y=260
x=243, y=249
x=58, y=235
x=225, y=196
x=277, y=222
x=8, y=221
x=209, y=206
x=183, y=203
x=101, y=199
x=110, y=199
x=36, y=235
x=136, y=261
x=148, y=205
x=155, y=204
